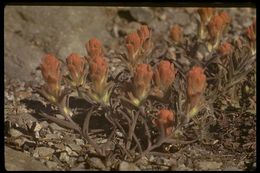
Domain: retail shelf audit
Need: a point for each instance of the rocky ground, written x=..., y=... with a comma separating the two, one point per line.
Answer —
x=33, y=143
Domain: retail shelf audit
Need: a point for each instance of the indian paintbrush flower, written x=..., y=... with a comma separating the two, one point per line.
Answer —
x=226, y=21
x=225, y=49
x=76, y=66
x=94, y=47
x=164, y=76
x=196, y=84
x=215, y=28
x=141, y=83
x=176, y=33
x=133, y=45
x=166, y=119
x=50, y=68
x=98, y=74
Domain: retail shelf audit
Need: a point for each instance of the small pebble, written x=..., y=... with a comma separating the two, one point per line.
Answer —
x=43, y=152
x=126, y=166
x=95, y=162
x=15, y=133
x=70, y=152
x=75, y=147
x=64, y=157
x=51, y=164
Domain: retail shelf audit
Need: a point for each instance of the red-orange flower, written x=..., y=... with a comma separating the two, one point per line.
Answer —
x=176, y=33
x=133, y=44
x=98, y=71
x=205, y=14
x=94, y=48
x=215, y=26
x=166, y=119
x=142, y=80
x=225, y=49
x=196, y=82
x=164, y=75
x=76, y=66
x=50, y=68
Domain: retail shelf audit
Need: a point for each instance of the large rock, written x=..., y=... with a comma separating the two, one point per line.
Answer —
x=32, y=31
x=19, y=161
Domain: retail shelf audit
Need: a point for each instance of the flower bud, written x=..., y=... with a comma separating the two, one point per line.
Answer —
x=164, y=75
x=50, y=68
x=94, y=48
x=76, y=66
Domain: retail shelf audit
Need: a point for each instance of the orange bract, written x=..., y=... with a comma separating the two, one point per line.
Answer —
x=176, y=33
x=225, y=49
x=94, y=48
x=196, y=81
x=76, y=66
x=164, y=75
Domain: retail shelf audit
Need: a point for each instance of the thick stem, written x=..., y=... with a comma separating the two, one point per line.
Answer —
x=61, y=122
x=147, y=132
x=131, y=131
x=86, y=133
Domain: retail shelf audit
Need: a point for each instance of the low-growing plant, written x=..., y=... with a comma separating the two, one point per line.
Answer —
x=160, y=101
